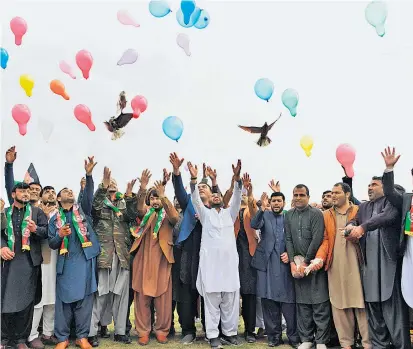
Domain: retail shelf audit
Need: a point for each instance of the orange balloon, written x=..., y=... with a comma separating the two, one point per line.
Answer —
x=57, y=87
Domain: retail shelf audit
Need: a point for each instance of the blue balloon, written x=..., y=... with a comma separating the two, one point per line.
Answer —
x=203, y=20
x=192, y=20
x=264, y=88
x=173, y=127
x=187, y=8
x=159, y=8
x=4, y=57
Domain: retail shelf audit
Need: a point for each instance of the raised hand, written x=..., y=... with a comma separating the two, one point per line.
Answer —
x=106, y=177
x=166, y=176
x=11, y=155
x=204, y=170
x=145, y=177
x=193, y=170
x=264, y=199
x=129, y=187
x=90, y=165
x=160, y=188
x=212, y=174
x=390, y=157
x=237, y=171
x=246, y=181
x=176, y=163
x=275, y=186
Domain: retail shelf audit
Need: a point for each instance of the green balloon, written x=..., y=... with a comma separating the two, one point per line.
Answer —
x=376, y=15
x=290, y=100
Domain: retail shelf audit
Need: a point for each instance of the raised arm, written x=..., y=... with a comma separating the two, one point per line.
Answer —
x=141, y=200
x=317, y=228
x=171, y=212
x=236, y=201
x=390, y=160
x=228, y=194
x=257, y=222
x=87, y=197
x=199, y=207
x=11, y=156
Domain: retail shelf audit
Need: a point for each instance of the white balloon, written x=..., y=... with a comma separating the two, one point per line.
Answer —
x=130, y=56
x=46, y=128
x=183, y=42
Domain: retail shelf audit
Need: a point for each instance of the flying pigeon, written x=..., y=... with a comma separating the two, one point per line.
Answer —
x=263, y=141
x=116, y=123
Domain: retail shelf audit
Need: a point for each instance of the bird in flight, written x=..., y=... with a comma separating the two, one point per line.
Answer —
x=115, y=124
x=263, y=141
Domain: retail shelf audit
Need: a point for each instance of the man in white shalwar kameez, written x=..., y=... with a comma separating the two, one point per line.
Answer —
x=218, y=277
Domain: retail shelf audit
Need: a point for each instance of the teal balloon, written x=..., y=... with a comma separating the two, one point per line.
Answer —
x=376, y=15
x=192, y=20
x=173, y=127
x=159, y=8
x=4, y=57
x=187, y=8
x=264, y=88
x=203, y=20
x=290, y=100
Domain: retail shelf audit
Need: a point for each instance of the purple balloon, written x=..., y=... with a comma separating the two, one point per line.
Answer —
x=130, y=56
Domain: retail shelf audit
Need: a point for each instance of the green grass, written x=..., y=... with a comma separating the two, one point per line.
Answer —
x=174, y=343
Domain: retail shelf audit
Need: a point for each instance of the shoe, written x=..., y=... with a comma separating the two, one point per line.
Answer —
x=143, y=340
x=306, y=345
x=122, y=338
x=94, y=341
x=250, y=337
x=104, y=333
x=294, y=345
x=215, y=343
x=161, y=339
x=261, y=333
x=229, y=340
x=321, y=346
x=83, y=343
x=36, y=344
x=275, y=343
x=49, y=340
x=188, y=339
x=62, y=345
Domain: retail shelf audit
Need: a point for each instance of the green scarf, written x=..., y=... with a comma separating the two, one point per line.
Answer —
x=408, y=227
x=108, y=203
x=80, y=228
x=25, y=230
x=159, y=220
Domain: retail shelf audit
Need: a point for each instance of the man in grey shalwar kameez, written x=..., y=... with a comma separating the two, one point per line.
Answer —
x=304, y=229
x=275, y=284
x=377, y=225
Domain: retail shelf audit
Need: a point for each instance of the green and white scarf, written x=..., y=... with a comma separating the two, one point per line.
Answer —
x=25, y=230
x=108, y=203
x=159, y=220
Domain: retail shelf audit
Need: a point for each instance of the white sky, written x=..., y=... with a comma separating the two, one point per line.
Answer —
x=354, y=88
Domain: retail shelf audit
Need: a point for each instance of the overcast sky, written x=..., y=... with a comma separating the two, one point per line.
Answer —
x=354, y=88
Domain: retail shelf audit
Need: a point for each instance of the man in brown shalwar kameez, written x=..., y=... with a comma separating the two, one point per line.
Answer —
x=342, y=259
x=152, y=263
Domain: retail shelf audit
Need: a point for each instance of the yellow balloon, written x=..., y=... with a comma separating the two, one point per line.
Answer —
x=27, y=84
x=307, y=143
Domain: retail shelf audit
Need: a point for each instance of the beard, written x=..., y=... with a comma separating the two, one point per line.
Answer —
x=68, y=201
x=22, y=202
x=218, y=205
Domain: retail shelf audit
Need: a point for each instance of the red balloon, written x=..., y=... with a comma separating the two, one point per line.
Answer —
x=83, y=114
x=139, y=105
x=21, y=114
x=84, y=61
x=346, y=155
x=19, y=27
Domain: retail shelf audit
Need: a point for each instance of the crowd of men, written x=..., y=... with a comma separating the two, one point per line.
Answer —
x=73, y=266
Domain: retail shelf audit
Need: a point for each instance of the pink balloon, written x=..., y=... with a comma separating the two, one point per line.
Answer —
x=84, y=61
x=19, y=27
x=21, y=114
x=67, y=69
x=139, y=105
x=346, y=155
x=83, y=114
x=125, y=18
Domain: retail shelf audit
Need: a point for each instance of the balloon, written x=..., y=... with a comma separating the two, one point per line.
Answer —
x=84, y=61
x=27, y=84
x=139, y=105
x=173, y=127
x=67, y=69
x=290, y=100
x=83, y=114
x=130, y=56
x=307, y=143
x=125, y=18
x=187, y=8
x=346, y=155
x=376, y=15
x=46, y=128
x=183, y=42
x=203, y=20
x=192, y=20
x=159, y=8
x=4, y=57
x=264, y=89
x=19, y=27
x=57, y=87
x=21, y=114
